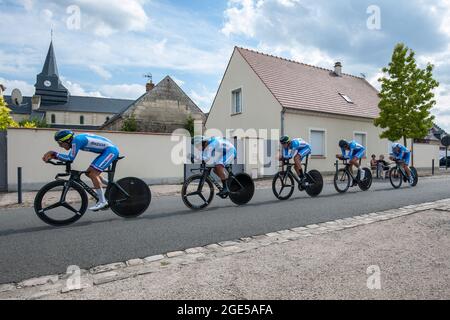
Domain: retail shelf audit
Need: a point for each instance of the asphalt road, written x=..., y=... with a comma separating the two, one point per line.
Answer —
x=30, y=248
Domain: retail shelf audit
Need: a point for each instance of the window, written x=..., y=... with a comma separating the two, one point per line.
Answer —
x=53, y=118
x=237, y=101
x=346, y=98
x=317, y=141
x=361, y=138
x=81, y=119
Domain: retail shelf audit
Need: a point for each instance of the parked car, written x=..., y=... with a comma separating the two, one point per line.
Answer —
x=442, y=162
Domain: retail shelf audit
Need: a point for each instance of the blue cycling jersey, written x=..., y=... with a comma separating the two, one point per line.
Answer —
x=86, y=142
x=296, y=146
x=219, y=151
x=402, y=153
x=355, y=148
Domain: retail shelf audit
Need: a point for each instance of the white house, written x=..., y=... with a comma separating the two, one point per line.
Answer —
x=262, y=92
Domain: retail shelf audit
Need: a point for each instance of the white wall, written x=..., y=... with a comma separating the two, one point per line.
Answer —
x=424, y=155
x=147, y=156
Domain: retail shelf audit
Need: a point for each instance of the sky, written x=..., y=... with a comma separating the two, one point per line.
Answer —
x=105, y=47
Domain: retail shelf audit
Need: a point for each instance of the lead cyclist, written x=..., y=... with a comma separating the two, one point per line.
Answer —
x=107, y=151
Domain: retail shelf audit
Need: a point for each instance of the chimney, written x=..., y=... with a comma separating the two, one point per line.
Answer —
x=338, y=69
x=35, y=102
x=149, y=86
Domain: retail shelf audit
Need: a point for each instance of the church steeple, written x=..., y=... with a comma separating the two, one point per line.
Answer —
x=48, y=84
x=50, y=67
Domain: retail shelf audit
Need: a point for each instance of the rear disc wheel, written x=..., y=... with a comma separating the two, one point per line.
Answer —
x=129, y=197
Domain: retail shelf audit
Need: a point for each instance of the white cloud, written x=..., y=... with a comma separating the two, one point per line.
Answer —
x=123, y=91
x=76, y=89
x=241, y=16
x=26, y=88
x=203, y=98
x=102, y=72
x=178, y=81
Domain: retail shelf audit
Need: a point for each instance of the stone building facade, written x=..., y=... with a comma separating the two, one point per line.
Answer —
x=163, y=108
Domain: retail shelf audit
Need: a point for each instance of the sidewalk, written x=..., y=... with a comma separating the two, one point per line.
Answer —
x=408, y=248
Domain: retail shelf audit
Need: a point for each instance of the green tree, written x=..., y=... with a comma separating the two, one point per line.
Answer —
x=406, y=97
x=189, y=125
x=34, y=123
x=6, y=121
x=130, y=124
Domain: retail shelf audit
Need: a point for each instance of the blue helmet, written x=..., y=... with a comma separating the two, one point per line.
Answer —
x=64, y=136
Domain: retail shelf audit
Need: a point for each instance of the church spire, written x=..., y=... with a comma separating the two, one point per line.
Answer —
x=50, y=68
x=48, y=85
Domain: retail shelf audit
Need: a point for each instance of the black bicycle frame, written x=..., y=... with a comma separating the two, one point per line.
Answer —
x=75, y=177
x=289, y=165
x=206, y=173
x=402, y=170
x=347, y=168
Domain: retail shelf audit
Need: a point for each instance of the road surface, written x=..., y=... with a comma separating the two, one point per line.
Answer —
x=29, y=248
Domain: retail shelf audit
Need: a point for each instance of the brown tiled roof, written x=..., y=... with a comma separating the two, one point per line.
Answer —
x=300, y=86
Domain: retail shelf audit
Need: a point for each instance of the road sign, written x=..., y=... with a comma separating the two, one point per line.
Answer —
x=446, y=141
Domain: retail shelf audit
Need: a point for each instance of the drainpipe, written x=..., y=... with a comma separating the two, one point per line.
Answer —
x=283, y=111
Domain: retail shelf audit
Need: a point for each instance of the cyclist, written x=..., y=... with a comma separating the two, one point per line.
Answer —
x=354, y=152
x=107, y=151
x=218, y=152
x=400, y=152
x=296, y=149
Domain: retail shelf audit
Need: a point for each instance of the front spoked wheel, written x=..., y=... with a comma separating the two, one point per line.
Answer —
x=61, y=203
x=283, y=185
x=129, y=197
x=195, y=194
x=396, y=177
x=342, y=181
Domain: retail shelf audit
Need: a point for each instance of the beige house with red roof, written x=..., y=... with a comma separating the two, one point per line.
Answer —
x=322, y=106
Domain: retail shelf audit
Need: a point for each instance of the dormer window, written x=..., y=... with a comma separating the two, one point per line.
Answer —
x=346, y=98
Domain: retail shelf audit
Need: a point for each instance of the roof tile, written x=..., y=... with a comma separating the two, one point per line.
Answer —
x=300, y=86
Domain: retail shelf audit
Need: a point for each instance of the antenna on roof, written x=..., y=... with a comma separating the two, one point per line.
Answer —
x=149, y=76
x=363, y=75
x=51, y=34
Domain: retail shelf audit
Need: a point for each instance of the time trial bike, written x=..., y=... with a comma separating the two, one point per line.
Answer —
x=198, y=190
x=397, y=175
x=344, y=178
x=283, y=183
x=64, y=201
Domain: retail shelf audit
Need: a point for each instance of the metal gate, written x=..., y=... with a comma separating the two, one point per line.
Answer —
x=3, y=162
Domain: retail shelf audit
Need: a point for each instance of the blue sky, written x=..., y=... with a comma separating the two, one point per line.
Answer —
x=118, y=41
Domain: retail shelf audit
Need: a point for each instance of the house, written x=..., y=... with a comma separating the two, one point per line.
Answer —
x=53, y=102
x=163, y=108
x=262, y=97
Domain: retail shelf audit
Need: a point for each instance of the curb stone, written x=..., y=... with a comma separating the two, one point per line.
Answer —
x=40, y=287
